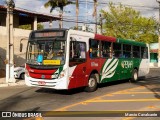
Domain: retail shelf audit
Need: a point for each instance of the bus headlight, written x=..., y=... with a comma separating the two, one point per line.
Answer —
x=62, y=74
x=54, y=76
x=27, y=73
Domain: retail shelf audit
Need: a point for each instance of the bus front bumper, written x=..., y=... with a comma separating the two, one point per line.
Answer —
x=59, y=84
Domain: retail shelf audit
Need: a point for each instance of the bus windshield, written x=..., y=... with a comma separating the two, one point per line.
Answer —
x=46, y=52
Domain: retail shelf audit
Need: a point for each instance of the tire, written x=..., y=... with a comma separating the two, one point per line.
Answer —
x=92, y=84
x=134, y=76
x=22, y=76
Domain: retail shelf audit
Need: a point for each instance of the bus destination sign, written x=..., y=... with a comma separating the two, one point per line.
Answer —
x=48, y=34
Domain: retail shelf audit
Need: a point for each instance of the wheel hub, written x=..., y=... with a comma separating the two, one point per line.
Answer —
x=92, y=82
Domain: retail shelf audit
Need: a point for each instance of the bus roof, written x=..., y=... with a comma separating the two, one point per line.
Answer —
x=106, y=38
x=131, y=42
x=98, y=37
x=119, y=40
x=50, y=29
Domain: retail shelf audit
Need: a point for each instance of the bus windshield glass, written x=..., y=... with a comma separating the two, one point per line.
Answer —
x=46, y=52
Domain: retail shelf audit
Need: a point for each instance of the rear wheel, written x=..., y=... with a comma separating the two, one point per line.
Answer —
x=92, y=84
x=134, y=76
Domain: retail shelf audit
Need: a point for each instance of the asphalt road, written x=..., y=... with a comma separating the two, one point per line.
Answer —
x=115, y=96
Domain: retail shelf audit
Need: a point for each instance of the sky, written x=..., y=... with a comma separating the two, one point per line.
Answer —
x=146, y=7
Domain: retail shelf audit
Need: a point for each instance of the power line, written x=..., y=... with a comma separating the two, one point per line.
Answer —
x=99, y=3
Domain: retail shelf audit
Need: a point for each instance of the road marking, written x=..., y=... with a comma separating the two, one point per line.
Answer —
x=99, y=97
x=152, y=107
x=125, y=100
x=137, y=93
x=34, y=118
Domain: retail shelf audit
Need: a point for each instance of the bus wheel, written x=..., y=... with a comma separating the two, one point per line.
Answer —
x=134, y=76
x=92, y=84
x=22, y=76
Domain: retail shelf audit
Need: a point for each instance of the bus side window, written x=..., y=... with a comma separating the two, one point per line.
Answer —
x=127, y=51
x=144, y=52
x=117, y=52
x=77, y=51
x=106, y=49
x=94, y=48
x=136, y=52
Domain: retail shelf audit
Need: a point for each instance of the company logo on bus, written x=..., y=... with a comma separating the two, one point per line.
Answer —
x=43, y=76
x=41, y=82
x=93, y=64
x=127, y=64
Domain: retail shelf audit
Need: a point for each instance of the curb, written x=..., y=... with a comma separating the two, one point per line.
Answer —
x=12, y=84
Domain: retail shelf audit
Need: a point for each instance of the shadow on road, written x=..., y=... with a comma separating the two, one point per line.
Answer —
x=78, y=90
x=152, y=82
x=62, y=92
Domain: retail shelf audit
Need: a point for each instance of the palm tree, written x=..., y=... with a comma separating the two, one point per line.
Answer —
x=77, y=12
x=58, y=3
x=95, y=14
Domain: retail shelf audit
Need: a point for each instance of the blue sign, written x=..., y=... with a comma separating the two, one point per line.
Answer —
x=40, y=58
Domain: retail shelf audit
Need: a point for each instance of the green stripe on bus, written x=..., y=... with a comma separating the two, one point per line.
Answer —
x=131, y=42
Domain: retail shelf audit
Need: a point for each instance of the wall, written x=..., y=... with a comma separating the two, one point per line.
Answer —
x=19, y=57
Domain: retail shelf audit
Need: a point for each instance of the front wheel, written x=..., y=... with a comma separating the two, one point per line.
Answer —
x=134, y=76
x=22, y=76
x=92, y=84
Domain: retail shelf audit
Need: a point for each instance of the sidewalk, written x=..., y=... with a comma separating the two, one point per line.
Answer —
x=4, y=84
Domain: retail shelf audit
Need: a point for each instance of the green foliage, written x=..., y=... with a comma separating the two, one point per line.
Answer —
x=28, y=27
x=57, y=3
x=125, y=22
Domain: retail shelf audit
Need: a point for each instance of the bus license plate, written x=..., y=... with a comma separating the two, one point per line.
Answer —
x=41, y=82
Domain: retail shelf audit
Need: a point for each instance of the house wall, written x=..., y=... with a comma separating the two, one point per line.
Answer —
x=19, y=57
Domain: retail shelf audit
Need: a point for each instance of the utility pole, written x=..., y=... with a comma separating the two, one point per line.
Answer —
x=159, y=36
x=61, y=19
x=10, y=43
x=85, y=25
x=100, y=17
x=95, y=14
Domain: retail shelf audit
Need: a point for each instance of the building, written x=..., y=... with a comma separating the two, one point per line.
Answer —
x=20, y=17
x=154, y=54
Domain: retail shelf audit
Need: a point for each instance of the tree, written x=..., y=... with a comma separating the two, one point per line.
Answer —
x=57, y=3
x=28, y=27
x=125, y=22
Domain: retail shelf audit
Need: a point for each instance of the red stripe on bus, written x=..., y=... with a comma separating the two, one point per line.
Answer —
x=105, y=38
x=36, y=73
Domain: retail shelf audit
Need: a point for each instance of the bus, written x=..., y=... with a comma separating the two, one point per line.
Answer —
x=64, y=59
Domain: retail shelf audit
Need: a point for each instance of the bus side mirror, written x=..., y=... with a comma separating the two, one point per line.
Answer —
x=21, y=47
